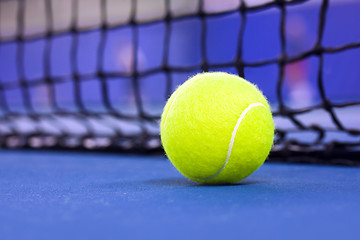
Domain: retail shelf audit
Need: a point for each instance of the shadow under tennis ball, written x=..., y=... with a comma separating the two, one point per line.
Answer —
x=178, y=181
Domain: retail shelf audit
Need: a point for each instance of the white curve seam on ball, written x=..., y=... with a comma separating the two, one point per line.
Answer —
x=243, y=114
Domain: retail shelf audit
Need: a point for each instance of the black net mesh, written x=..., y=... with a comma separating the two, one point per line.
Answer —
x=81, y=97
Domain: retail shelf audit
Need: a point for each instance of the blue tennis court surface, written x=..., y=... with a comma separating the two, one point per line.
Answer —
x=57, y=195
x=83, y=77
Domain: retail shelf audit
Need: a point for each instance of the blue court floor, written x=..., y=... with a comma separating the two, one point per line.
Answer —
x=57, y=195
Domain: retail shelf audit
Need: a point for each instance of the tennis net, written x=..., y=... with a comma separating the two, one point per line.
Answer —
x=95, y=75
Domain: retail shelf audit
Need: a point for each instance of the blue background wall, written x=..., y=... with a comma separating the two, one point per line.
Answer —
x=261, y=42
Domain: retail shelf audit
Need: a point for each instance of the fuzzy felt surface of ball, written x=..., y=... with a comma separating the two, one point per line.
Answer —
x=217, y=128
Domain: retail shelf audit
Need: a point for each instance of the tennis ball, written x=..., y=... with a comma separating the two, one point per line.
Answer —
x=217, y=128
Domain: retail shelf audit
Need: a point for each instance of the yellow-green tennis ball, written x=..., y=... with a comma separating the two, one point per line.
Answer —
x=217, y=128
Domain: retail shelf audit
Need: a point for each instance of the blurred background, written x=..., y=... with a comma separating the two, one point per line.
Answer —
x=126, y=57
